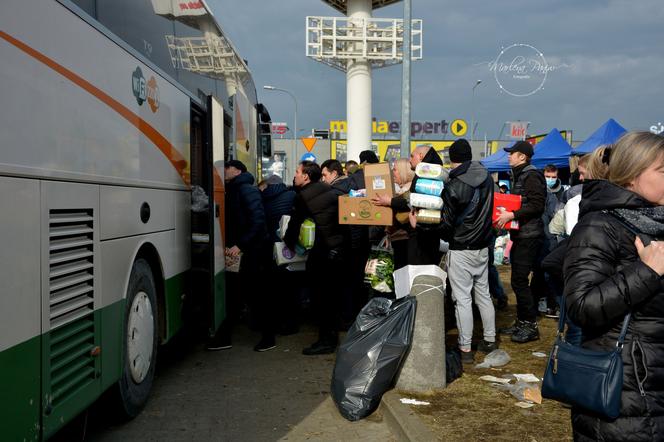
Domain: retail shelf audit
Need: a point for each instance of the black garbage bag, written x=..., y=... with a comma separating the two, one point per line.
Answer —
x=453, y=365
x=371, y=355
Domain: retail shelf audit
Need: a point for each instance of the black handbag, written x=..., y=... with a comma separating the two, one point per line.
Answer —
x=588, y=379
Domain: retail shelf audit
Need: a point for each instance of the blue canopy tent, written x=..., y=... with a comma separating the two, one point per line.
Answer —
x=496, y=162
x=553, y=149
x=608, y=133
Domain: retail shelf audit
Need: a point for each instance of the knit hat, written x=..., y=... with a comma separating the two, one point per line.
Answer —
x=368, y=156
x=460, y=151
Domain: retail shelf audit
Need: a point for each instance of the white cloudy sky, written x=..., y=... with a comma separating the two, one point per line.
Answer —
x=613, y=50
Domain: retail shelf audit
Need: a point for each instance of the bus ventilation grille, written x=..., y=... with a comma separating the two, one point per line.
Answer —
x=71, y=290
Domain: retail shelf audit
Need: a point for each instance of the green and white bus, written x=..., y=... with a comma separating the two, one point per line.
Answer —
x=113, y=110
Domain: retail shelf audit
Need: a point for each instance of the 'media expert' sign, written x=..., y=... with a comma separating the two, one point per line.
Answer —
x=394, y=127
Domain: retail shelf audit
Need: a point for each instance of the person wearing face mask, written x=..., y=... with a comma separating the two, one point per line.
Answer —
x=553, y=184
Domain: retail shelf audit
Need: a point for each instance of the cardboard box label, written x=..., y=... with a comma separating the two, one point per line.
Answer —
x=378, y=183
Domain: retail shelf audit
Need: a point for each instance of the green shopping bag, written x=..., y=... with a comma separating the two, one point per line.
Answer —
x=307, y=234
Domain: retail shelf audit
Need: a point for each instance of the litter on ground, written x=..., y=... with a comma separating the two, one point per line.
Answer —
x=413, y=402
x=529, y=377
x=524, y=404
x=496, y=358
x=490, y=378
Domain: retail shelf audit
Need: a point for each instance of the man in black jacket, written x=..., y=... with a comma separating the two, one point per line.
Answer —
x=246, y=236
x=466, y=225
x=285, y=294
x=528, y=182
x=317, y=200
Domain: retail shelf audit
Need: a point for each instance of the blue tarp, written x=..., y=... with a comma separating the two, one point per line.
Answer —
x=608, y=133
x=553, y=149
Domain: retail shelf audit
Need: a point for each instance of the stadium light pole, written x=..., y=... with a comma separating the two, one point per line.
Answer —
x=472, y=110
x=405, y=81
x=292, y=95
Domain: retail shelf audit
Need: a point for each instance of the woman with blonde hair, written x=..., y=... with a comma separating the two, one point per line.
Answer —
x=613, y=267
x=402, y=235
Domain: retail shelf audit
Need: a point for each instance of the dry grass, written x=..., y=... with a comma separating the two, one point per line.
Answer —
x=472, y=410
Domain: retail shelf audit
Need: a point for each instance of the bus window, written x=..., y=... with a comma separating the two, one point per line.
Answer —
x=135, y=22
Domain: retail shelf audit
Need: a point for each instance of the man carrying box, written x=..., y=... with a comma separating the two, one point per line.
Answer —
x=528, y=182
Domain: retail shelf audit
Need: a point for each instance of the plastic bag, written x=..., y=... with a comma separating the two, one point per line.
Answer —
x=496, y=358
x=199, y=200
x=380, y=266
x=283, y=226
x=523, y=391
x=371, y=355
x=307, y=234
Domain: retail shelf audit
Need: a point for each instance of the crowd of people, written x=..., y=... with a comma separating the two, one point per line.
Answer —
x=594, y=248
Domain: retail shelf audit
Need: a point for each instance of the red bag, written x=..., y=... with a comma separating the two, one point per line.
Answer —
x=508, y=202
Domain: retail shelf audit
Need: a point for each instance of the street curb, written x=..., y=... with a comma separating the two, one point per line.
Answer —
x=403, y=422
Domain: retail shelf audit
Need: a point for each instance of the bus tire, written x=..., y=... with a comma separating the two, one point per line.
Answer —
x=139, y=340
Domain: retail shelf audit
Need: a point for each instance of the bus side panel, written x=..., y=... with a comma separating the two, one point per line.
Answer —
x=20, y=311
x=74, y=81
x=118, y=256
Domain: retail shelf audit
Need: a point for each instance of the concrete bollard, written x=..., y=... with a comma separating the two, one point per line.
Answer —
x=424, y=367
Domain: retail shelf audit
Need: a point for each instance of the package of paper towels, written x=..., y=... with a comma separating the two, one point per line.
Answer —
x=428, y=216
x=431, y=171
x=426, y=201
x=429, y=187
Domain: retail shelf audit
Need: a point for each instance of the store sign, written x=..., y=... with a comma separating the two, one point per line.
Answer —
x=441, y=127
x=518, y=129
x=279, y=128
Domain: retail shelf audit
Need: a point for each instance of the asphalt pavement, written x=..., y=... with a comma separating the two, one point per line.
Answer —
x=236, y=395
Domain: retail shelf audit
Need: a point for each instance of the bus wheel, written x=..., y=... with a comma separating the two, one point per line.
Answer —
x=140, y=340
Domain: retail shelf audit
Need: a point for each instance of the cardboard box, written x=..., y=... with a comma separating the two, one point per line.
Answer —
x=360, y=211
x=508, y=202
x=378, y=179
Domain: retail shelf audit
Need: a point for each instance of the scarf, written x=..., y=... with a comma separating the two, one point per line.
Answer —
x=647, y=220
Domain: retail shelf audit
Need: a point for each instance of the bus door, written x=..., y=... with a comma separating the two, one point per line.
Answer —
x=207, y=223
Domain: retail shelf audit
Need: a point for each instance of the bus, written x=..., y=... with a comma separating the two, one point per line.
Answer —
x=114, y=113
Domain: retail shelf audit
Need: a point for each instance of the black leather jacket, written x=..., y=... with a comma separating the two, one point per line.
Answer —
x=467, y=208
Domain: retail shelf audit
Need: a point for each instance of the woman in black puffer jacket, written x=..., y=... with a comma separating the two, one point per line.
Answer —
x=614, y=265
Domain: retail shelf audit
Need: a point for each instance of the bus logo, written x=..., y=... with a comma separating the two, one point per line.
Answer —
x=145, y=90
